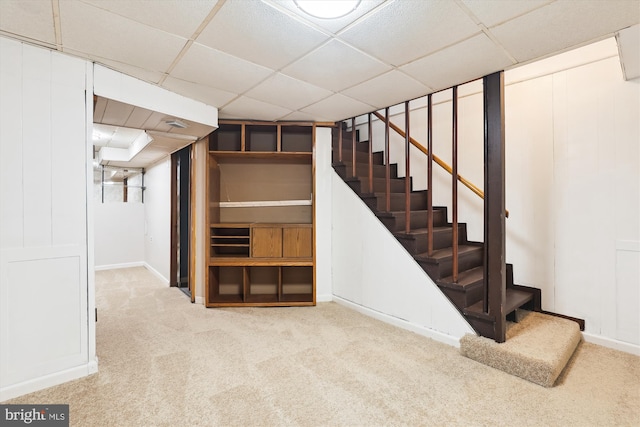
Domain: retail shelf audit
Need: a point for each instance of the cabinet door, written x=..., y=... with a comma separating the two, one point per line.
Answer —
x=266, y=242
x=297, y=242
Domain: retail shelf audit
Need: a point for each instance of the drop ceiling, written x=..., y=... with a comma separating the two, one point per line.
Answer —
x=267, y=60
x=117, y=127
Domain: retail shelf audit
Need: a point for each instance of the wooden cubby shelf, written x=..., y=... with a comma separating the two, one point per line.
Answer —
x=260, y=209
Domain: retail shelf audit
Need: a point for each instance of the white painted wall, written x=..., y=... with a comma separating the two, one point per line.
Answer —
x=157, y=218
x=323, y=207
x=47, y=333
x=372, y=272
x=573, y=183
x=119, y=234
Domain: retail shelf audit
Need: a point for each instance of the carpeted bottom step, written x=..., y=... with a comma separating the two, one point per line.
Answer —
x=537, y=348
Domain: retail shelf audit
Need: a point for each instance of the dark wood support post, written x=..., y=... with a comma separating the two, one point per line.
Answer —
x=429, y=176
x=387, y=155
x=353, y=146
x=407, y=170
x=340, y=142
x=494, y=202
x=454, y=186
x=370, y=137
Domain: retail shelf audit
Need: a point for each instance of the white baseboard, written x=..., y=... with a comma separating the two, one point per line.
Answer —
x=418, y=329
x=611, y=343
x=47, y=381
x=122, y=265
x=324, y=298
x=156, y=273
x=199, y=300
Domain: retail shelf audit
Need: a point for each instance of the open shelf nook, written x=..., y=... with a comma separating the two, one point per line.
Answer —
x=260, y=214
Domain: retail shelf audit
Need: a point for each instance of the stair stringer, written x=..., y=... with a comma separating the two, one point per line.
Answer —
x=372, y=270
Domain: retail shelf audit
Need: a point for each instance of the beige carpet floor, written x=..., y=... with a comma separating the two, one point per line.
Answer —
x=166, y=362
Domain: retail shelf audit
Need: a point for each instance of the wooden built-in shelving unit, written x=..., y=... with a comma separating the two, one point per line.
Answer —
x=261, y=215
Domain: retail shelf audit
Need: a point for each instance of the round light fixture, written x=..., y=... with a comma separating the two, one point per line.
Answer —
x=327, y=9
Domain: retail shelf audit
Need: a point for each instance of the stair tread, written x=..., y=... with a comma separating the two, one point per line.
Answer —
x=421, y=231
x=466, y=278
x=400, y=213
x=440, y=254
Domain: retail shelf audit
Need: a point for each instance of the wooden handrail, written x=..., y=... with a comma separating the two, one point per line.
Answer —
x=436, y=159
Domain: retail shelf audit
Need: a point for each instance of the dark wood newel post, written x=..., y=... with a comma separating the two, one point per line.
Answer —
x=494, y=202
x=353, y=146
x=407, y=169
x=370, y=137
x=387, y=154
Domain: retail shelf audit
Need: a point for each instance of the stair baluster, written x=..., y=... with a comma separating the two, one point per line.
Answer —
x=429, y=176
x=407, y=174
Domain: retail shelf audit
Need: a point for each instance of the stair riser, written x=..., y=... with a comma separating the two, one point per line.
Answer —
x=466, y=261
x=362, y=169
x=418, y=220
x=379, y=185
x=378, y=203
x=346, y=142
x=441, y=239
x=361, y=157
x=463, y=299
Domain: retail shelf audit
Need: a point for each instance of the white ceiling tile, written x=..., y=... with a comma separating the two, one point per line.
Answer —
x=299, y=116
x=217, y=69
x=337, y=107
x=564, y=24
x=173, y=16
x=287, y=92
x=199, y=92
x=406, y=30
x=116, y=113
x=30, y=19
x=130, y=70
x=493, y=12
x=331, y=25
x=98, y=32
x=247, y=108
x=388, y=89
x=474, y=58
x=259, y=33
x=335, y=66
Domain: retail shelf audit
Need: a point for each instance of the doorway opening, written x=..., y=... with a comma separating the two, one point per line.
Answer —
x=181, y=221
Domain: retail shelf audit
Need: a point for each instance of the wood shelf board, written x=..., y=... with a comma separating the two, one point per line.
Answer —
x=263, y=154
x=235, y=261
x=261, y=304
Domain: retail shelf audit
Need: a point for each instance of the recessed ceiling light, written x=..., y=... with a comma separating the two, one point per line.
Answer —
x=327, y=9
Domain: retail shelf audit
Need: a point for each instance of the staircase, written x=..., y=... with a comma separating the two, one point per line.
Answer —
x=468, y=292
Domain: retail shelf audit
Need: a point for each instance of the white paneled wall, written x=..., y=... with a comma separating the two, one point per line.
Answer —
x=44, y=313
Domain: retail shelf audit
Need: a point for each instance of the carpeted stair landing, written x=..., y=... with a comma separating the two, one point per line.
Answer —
x=537, y=348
